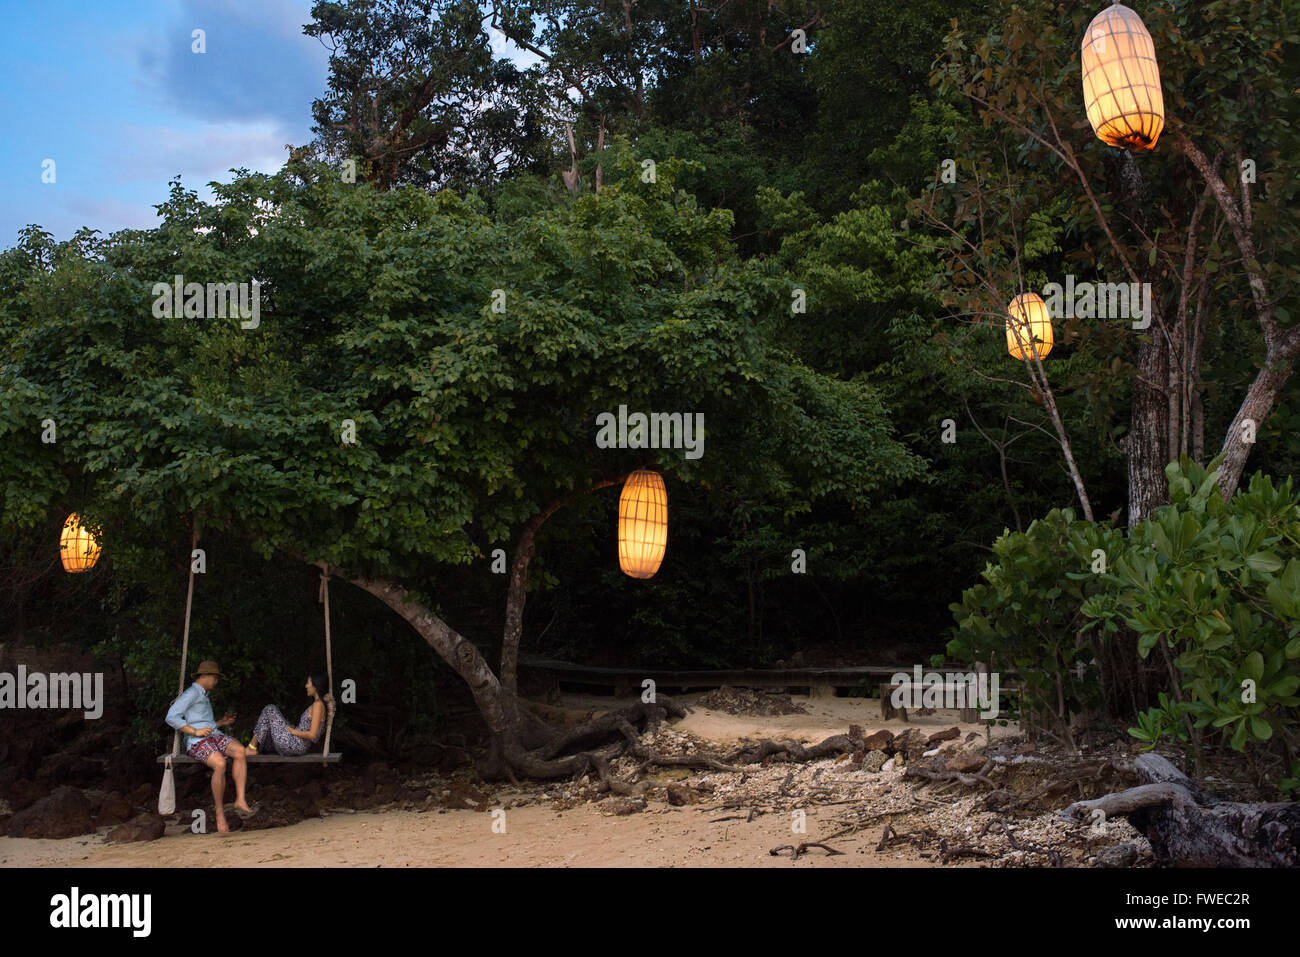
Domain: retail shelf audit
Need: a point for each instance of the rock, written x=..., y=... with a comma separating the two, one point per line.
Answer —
x=93, y=742
x=65, y=812
x=23, y=794
x=901, y=739
x=145, y=795
x=880, y=741
x=1117, y=855
x=113, y=809
x=888, y=765
x=874, y=761
x=747, y=701
x=942, y=736
x=142, y=827
x=668, y=775
x=965, y=761
x=911, y=742
x=280, y=815
x=128, y=765
x=624, y=806
x=67, y=769
x=313, y=790
x=680, y=794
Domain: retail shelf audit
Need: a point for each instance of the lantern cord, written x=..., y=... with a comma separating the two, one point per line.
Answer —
x=328, y=697
x=185, y=640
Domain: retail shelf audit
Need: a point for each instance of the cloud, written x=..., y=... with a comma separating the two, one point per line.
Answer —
x=258, y=66
x=106, y=215
x=157, y=153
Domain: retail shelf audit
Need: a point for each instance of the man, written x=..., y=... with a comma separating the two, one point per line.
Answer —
x=191, y=715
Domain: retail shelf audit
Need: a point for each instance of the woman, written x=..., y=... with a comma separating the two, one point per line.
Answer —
x=281, y=737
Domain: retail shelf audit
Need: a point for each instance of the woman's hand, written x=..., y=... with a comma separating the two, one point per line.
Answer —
x=291, y=729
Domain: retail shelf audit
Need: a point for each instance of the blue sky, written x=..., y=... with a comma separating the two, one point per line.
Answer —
x=110, y=90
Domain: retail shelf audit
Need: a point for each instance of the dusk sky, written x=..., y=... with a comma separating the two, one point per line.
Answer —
x=111, y=91
x=113, y=94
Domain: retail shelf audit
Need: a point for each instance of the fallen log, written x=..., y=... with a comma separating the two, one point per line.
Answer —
x=1188, y=827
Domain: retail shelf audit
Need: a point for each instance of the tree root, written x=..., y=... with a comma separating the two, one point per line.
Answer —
x=1051, y=855
x=766, y=749
x=803, y=849
x=1188, y=827
x=962, y=777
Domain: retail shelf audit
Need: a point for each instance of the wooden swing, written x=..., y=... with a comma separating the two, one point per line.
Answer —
x=325, y=757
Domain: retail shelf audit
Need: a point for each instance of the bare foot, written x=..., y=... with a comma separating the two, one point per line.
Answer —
x=242, y=806
x=222, y=826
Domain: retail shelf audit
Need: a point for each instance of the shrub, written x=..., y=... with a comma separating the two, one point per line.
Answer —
x=1214, y=587
x=1026, y=616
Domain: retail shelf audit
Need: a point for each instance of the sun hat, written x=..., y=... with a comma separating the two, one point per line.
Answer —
x=208, y=668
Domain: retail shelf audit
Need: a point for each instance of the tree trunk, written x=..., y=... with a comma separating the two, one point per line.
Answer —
x=1281, y=345
x=1263, y=395
x=517, y=594
x=1148, y=437
x=1189, y=828
x=452, y=647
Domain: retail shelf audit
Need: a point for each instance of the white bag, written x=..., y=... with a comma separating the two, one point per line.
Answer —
x=167, y=793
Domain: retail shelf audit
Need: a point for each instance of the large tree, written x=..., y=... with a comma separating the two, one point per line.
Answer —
x=1207, y=218
x=472, y=357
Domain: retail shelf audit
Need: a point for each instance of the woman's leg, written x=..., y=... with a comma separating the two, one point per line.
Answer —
x=267, y=721
x=285, y=743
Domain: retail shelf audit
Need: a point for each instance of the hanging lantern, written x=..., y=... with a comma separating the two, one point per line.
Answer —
x=642, y=524
x=1029, y=321
x=1121, y=82
x=77, y=546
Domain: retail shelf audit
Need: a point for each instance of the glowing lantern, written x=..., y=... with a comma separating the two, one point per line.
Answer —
x=1029, y=321
x=642, y=524
x=1121, y=82
x=77, y=546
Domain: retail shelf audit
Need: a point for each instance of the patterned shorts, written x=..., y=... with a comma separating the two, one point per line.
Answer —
x=210, y=745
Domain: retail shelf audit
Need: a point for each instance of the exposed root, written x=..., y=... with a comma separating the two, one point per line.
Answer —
x=796, y=850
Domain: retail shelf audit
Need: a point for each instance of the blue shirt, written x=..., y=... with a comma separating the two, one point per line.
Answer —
x=192, y=708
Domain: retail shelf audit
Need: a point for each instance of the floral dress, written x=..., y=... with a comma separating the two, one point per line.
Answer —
x=270, y=730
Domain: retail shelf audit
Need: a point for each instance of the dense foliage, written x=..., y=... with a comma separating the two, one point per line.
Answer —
x=1209, y=589
x=878, y=425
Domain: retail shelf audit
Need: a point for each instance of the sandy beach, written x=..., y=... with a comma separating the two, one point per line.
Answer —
x=552, y=825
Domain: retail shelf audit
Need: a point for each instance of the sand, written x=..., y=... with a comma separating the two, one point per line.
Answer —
x=535, y=835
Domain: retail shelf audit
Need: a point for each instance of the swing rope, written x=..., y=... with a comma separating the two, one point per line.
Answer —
x=328, y=697
x=185, y=640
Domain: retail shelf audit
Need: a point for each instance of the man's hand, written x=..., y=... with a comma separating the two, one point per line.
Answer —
x=203, y=732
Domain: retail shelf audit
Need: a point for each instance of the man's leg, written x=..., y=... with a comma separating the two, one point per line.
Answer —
x=217, y=763
x=239, y=771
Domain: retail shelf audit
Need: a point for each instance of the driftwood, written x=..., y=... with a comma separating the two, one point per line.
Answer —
x=803, y=849
x=1188, y=827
